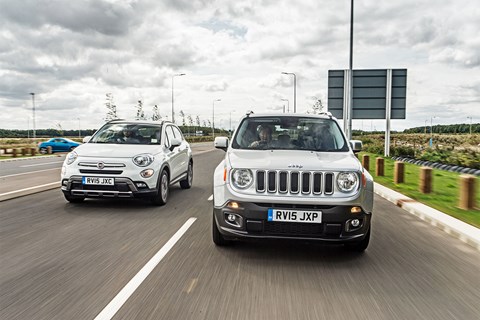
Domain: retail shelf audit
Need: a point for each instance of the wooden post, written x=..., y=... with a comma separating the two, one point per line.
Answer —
x=49, y=150
x=399, y=172
x=33, y=151
x=24, y=152
x=426, y=180
x=366, y=162
x=14, y=152
x=467, y=192
x=379, y=167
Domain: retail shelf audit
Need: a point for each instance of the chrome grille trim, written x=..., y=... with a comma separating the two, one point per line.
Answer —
x=107, y=164
x=295, y=182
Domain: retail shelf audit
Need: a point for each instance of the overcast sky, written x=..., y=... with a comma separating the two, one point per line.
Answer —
x=71, y=53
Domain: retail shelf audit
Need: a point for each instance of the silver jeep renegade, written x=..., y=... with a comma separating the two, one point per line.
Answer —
x=291, y=176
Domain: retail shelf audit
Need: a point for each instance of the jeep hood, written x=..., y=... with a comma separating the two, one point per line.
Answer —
x=102, y=150
x=300, y=160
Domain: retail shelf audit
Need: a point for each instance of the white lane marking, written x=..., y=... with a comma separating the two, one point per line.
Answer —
x=30, y=172
x=111, y=309
x=210, y=198
x=40, y=164
x=30, y=188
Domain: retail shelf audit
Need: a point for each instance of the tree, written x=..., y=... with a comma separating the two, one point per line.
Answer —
x=316, y=108
x=204, y=123
x=112, y=108
x=156, y=114
x=140, y=114
x=198, y=121
x=182, y=114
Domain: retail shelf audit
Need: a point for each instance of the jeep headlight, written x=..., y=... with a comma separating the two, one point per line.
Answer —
x=242, y=178
x=347, y=181
x=71, y=157
x=143, y=160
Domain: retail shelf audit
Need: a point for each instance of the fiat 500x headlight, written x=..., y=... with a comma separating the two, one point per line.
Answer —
x=143, y=160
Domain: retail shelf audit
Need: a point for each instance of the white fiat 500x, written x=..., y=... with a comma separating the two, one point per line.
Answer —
x=129, y=159
x=291, y=176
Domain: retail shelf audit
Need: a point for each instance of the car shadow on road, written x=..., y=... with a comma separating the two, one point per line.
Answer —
x=286, y=251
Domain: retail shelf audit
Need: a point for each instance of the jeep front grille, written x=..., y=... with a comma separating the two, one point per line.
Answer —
x=294, y=182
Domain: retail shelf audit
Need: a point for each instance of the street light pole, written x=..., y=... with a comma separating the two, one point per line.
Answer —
x=470, y=124
x=79, y=137
x=350, y=82
x=294, y=90
x=33, y=109
x=288, y=105
x=213, y=117
x=173, y=112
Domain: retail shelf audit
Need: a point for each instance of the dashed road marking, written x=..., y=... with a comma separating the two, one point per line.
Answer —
x=111, y=309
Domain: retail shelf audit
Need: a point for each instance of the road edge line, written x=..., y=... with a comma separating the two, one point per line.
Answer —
x=28, y=191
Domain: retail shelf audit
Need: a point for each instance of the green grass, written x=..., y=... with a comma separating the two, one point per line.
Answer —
x=446, y=189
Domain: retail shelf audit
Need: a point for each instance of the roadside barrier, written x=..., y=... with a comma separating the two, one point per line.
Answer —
x=467, y=182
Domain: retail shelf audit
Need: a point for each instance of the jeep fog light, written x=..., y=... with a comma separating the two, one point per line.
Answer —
x=147, y=173
x=355, y=223
x=347, y=181
x=233, y=219
x=242, y=178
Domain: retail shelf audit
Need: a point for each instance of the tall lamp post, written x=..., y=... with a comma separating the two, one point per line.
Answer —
x=431, y=130
x=294, y=90
x=213, y=117
x=78, y=128
x=470, y=124
x=288, y=105
x=33, y=109
x=173, y=112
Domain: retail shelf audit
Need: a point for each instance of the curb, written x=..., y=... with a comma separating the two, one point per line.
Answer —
x=459, y=229
x=27, y=191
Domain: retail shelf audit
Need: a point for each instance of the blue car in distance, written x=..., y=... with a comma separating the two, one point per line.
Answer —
x=58, y=145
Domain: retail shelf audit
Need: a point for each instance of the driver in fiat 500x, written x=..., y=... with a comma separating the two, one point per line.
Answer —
x=264, y=136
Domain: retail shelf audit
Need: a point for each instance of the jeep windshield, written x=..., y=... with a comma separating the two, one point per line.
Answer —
x=127, y=133
x=289, y=133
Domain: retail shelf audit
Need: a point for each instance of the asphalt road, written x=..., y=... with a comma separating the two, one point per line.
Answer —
x=68, y=261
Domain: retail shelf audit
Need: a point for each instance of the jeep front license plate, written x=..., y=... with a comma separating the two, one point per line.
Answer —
x=295, y=216
x=98, y=181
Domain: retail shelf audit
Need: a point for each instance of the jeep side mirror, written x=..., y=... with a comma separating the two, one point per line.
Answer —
x=86, y=139
x=356, y=145
x=221, y=143
x=175, y=143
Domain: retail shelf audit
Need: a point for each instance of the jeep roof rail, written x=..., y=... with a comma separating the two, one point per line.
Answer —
x=249, y=112
x=326, y=113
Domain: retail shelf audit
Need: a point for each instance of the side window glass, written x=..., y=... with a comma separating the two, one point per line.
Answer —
x=178, y=133
x=169, y=136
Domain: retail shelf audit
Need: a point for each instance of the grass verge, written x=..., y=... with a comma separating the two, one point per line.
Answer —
x=446, y=189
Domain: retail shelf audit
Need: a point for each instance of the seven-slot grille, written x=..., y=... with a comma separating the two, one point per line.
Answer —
x=294, y=182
